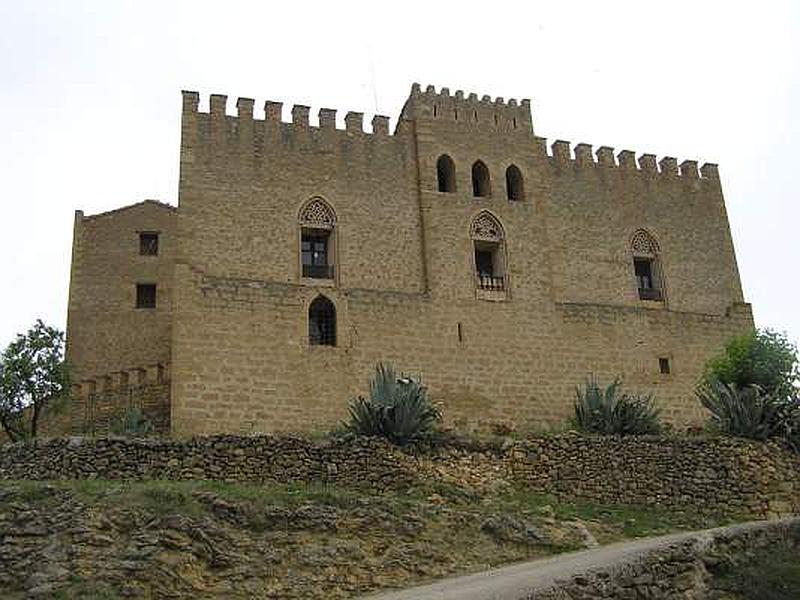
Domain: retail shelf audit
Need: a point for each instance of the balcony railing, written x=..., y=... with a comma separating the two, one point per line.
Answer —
x=491, y=282
x=650, y=294
x=318, y=271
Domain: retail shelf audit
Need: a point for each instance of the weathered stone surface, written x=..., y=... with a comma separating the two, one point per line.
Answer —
x=711, y=474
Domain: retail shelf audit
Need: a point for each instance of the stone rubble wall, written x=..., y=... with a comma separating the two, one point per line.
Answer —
x=721, y=474
x=712, y=474
x=364, y=462
x=683, y=569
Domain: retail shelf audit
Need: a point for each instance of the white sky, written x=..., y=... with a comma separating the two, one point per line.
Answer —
x=90, y=102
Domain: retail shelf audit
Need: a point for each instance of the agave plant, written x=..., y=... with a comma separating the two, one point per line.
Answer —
x=131, y=423
x=743, y=411
x=398, y=408
x=608, y=411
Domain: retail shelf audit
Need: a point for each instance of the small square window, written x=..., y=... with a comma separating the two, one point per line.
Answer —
x=663, y=366
x=148, y=244
x=145, y=295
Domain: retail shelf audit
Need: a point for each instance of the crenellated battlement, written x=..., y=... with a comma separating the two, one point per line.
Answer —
x=273, y=115
x=562, y=154
x=508, y=116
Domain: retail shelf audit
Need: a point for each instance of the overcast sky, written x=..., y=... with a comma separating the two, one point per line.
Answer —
x=90, y=102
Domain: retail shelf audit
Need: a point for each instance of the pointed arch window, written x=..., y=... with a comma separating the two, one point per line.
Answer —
x=446, y=173
x=481, y=183
x=514, y=184
x=321, y=322
x=317, y=240
x=488, y=242
x=647, y=266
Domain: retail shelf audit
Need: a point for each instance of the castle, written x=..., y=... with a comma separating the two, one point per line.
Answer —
x=459, y=248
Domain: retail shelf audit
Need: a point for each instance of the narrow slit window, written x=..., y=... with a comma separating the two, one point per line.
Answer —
x=663, y=366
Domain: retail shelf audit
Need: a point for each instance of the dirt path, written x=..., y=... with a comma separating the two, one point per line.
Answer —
x=517, y=582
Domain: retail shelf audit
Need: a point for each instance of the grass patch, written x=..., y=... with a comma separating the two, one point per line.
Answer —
x=618, y=521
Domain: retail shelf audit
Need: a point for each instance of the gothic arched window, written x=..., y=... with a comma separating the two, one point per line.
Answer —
x=317, y=224
x=481, y=183
x=488, y=242
x=647, y=266
x=446, y=173
x=514, y=185
x=322, y=322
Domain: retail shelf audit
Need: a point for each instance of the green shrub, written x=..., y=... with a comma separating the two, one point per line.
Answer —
x=746, y=412
x=131, y=423
x=608, y=411
x=398, y=408
x=763, y=358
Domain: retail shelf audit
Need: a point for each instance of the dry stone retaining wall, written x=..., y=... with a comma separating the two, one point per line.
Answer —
x=712, y=474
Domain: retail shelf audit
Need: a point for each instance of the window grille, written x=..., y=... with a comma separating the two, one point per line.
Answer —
x=148, y=244
x=145, y=295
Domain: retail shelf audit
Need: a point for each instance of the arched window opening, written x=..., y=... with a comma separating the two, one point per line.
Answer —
x=481, y=185
x=647, y=266
x=488, y=241
x=514, y=185
x=322, y=322
x=446, y=173
x=317, y=221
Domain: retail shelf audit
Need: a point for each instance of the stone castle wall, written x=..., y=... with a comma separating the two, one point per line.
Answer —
x=405, y=288
x=106, y=332
x=232, y=317
x=717, y=475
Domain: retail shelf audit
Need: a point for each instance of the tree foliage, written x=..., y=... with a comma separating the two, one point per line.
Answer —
x=610, y=412
x=32, y=374
x=764, y=358
x=398, y=408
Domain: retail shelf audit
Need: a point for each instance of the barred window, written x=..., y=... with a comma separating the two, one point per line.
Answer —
x=322, y=322
x=145, y=295
x=148, y=244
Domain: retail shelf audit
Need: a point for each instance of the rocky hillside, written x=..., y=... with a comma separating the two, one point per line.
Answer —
x=164, y=539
